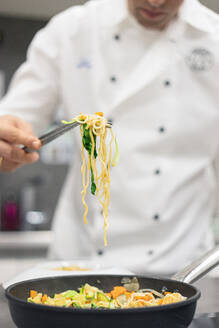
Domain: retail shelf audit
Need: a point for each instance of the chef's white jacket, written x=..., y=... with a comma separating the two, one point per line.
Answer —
x=161, y=90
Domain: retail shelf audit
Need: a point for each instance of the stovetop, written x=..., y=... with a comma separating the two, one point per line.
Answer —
x=210, y=320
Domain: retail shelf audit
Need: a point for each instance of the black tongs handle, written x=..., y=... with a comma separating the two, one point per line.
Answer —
x=52, y=135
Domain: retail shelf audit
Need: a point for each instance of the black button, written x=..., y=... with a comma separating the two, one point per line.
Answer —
x=100, y=252
x=157, y=172
x=110, y=120
x=117, y=37
x=167, y=83
x=156, y=217
x=150, y=252
x=162, y=129
x=113, y=79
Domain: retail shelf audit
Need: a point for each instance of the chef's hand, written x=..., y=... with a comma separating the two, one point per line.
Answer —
x=13, y=132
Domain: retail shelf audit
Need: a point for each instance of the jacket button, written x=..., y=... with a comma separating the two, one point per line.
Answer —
x=156, y=217
x=157, y=172
x=110, y=120
x=100, y=252
x=117, y=37
x=113, y=79
x=162, y=129
x=167, y=83
x=150, y=252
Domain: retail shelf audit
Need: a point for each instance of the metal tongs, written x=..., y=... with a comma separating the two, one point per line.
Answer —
x=55, y=133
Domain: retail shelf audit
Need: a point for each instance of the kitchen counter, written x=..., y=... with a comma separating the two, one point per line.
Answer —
x=209, y=301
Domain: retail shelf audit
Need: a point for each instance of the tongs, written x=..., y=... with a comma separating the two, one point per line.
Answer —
x=57, y=132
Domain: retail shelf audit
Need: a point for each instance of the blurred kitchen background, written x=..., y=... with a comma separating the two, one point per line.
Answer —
x=28, y=197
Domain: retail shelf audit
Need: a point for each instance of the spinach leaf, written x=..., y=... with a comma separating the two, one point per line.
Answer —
x=93, y=185
x=87, y=142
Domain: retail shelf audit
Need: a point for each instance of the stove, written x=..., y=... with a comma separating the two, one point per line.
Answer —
x=210, y=320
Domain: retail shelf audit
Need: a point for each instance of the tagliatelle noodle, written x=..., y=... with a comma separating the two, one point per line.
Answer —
x=97, y=126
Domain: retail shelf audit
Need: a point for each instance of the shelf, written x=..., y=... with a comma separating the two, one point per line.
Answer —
x=25, y=240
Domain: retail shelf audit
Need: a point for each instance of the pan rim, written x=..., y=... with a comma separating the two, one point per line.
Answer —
x=188, y=301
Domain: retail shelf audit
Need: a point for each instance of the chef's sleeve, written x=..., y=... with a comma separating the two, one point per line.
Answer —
x=33, y=94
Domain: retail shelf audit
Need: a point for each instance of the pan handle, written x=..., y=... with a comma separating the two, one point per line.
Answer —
x=199, y=268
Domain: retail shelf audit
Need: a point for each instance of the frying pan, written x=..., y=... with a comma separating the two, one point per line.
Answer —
x=178, y=315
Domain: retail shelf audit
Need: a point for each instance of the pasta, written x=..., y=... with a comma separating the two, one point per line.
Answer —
x=88, y=297
x=93, y=130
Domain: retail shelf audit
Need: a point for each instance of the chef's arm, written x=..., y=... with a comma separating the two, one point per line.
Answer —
x=34, y=91
x=13, y=132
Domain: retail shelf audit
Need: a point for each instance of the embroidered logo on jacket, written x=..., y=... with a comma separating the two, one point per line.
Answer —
x=84, y=63
x=200, y=59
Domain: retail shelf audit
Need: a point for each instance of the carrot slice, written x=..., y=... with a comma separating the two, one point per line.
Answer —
x=44, y=298
x=160, y=302
x=146, y=297
x=127, y=294
x=117, y=291
x=33, y=293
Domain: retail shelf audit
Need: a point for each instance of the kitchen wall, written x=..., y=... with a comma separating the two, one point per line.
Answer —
x=49, y=173
x=36, y=8
x=213, y=4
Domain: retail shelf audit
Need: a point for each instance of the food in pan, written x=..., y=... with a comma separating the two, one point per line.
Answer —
x=121, y=297
x=71, y=268
x=94, y=140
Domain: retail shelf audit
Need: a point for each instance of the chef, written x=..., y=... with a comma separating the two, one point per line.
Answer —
x=152, y=67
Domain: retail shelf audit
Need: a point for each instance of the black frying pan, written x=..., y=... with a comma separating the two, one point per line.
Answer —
x=178, y=315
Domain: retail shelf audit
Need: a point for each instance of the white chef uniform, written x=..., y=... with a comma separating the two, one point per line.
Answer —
x=161, y=90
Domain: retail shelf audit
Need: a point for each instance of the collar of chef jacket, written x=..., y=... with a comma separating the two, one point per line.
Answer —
x=191, y=12
x=115, y=14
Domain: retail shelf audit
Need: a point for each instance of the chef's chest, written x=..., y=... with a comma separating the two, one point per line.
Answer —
x=177, y=100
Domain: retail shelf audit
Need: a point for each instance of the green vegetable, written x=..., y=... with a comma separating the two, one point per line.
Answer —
x=87, y=143
x=81, y=290
x=93, y=184
x=66, y=122
x=94, y=306
x=102, y=297
x=90, y=295
x=70, y=294
x=75, y=305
